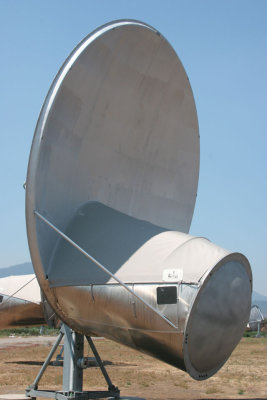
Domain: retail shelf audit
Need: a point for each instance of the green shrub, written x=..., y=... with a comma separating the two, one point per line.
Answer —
x=32, y=331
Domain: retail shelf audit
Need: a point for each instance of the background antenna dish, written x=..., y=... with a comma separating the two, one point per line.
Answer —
x=255, y=319
x=111, y=187
x=22, y=303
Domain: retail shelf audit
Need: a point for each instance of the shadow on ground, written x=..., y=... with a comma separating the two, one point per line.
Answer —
x=60, y=363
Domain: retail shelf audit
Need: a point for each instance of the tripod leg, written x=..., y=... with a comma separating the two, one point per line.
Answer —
x=100, y=363
x=47, y=361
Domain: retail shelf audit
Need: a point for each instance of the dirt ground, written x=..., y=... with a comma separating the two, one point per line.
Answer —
x=244, y=376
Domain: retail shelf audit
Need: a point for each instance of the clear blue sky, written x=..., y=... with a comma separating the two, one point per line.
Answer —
x=222, y=45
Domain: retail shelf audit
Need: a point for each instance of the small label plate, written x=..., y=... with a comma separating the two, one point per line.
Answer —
x=172, y=275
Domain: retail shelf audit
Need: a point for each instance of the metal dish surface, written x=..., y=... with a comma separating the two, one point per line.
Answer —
x=255, y=318
x=119, y=126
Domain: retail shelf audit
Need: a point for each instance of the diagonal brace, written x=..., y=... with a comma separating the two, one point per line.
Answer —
x=100, y=363
x=34, y=385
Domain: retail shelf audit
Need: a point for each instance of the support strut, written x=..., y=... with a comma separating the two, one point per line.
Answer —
x=72, y=371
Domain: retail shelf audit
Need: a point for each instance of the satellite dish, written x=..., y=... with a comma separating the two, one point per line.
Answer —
x=22, y=303
x=111, y=188
x=255, y=319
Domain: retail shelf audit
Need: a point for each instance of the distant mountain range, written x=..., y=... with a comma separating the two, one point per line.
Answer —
x=20, y=269
x=27, y=268
x=258, y=297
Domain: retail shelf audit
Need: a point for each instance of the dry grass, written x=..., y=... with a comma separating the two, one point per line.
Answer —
x=243, y=377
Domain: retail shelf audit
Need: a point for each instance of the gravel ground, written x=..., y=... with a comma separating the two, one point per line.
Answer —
x=138, y=376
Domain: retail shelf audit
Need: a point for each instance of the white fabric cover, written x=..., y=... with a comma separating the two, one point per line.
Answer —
x=23, y=287
x=133, y=250
x=171, y=250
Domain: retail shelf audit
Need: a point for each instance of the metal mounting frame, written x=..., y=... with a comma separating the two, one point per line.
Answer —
x=72, y=372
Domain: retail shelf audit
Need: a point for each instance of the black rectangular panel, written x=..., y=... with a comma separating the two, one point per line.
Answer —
x=167, y=295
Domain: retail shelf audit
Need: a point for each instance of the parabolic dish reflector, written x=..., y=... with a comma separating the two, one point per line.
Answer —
x=119, y=126
x=114, y=167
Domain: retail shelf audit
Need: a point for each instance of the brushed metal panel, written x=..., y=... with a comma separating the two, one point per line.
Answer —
x=16, y=313
x=119, y=126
